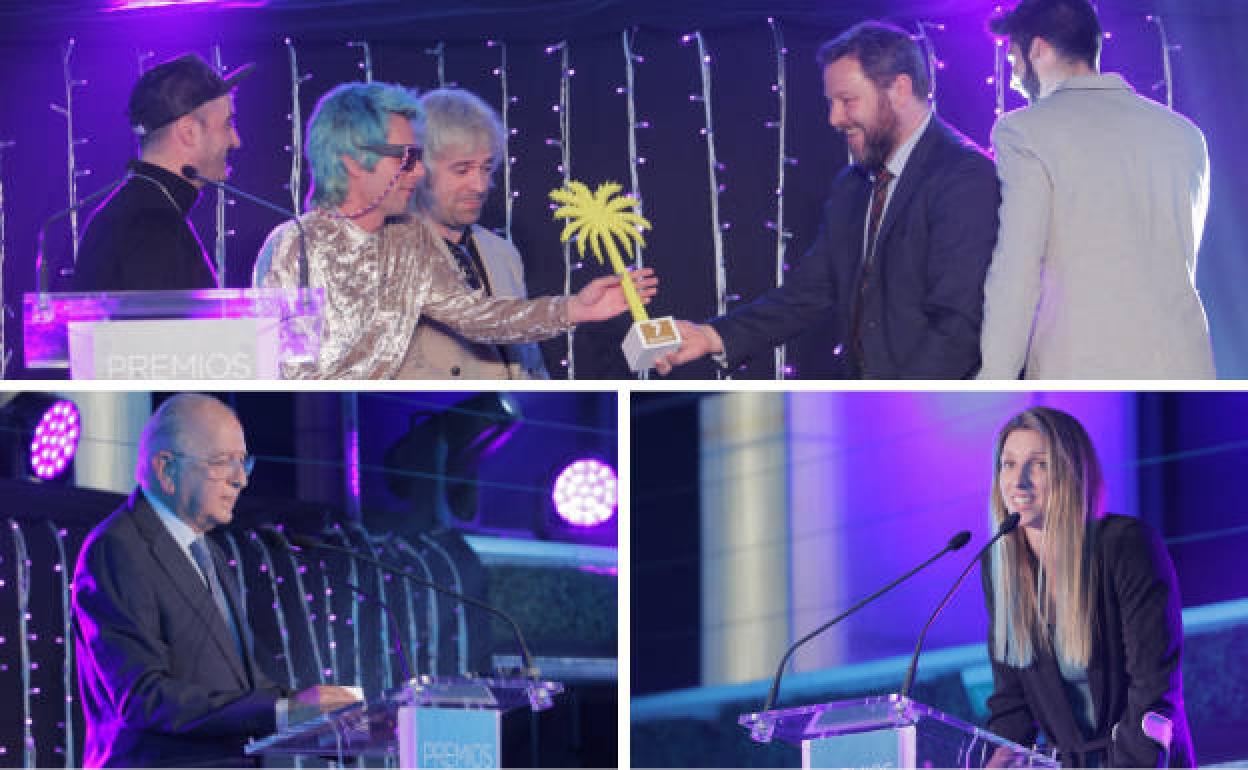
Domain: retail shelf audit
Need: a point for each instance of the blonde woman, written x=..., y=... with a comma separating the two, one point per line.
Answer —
x=1086, y=631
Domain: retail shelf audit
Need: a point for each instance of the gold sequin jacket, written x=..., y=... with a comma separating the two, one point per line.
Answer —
x=377, y=285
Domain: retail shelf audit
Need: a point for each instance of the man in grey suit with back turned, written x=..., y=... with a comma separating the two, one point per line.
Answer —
x=1104, y=195
x=166, y=663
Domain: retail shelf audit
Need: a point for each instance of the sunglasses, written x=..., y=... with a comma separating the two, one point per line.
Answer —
x=410, y=154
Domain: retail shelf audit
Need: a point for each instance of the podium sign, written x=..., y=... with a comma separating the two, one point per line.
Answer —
x=428, y=722
x=887, y=731
x=209, y=334
x=209, y=349
x=440, y=737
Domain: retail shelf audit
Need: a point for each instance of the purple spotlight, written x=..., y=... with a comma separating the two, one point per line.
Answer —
x=56, y=440
x=585, y=493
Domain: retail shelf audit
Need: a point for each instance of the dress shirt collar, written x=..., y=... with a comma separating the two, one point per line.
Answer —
x=897, y=163
x=182, y=533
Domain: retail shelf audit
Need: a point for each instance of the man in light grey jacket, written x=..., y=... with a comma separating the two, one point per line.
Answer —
x=1104, y=195
x=463, y=145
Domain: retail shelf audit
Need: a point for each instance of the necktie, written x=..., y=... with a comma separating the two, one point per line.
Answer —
x=879, y=195
x=203, y=559
x=467, y=265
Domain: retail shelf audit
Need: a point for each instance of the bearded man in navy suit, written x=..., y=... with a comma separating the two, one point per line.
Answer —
x=907, y=232
x=166, y=663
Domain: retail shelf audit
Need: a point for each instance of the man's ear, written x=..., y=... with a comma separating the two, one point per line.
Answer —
x=164, y=468
x=1040, y=52
x=901, y=88
x=353, y=167
x=185, y=131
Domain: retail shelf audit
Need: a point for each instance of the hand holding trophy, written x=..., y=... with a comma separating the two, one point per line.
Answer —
x=602, y=218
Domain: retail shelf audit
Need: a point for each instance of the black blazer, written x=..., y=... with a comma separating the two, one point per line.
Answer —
x=1135, y=664
x=922, y=313
x=161, y=678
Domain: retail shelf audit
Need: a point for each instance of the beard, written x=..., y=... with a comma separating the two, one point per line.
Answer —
x=880, y=139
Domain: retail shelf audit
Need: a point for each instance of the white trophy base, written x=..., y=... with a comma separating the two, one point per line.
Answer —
x=648, y=341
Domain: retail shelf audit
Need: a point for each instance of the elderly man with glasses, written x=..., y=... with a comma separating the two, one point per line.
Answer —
x=166, y=663
x=382, y=269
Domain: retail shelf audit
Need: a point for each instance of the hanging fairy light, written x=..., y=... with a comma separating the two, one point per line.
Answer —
x=635, y=160
x=295, y=148
x=438, y=52
x=564, y=110
x=934, y=62
x=507, y=161
x=713, y=167
x=219, y=212
x=64, y=568
x=73, y=173
x=783, y=161
x=366, y=64
x=1167, y=80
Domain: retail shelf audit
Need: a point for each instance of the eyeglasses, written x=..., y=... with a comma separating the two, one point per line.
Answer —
x=223, y=467
x=410, y=154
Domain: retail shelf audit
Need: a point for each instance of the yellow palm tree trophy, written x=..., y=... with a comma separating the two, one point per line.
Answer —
x=605, y=220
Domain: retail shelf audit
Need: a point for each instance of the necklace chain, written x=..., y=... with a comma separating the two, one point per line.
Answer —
x=163, y=189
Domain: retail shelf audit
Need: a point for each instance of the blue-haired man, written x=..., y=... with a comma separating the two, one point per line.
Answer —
x=381, y=269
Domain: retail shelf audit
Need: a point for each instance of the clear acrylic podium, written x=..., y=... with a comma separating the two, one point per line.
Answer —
x=886, y=731
x=429, y=722
x=201, y=334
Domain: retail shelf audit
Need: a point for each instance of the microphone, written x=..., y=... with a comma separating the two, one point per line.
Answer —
x=1007, y=526
x=312, y=542
x=192, y=173
x=955, y=542
x=394, y=624
x=41, y=266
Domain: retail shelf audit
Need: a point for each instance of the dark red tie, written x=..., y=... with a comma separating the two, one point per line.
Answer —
x=879, y=194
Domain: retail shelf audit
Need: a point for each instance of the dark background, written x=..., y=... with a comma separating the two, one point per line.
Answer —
x=674, y=183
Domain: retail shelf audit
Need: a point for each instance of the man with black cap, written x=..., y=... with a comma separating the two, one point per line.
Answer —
x=141, y=237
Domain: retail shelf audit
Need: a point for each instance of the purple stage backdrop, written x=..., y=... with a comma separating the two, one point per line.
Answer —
x=697, y=134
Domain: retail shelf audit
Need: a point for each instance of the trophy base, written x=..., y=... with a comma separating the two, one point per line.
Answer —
x=648, y=341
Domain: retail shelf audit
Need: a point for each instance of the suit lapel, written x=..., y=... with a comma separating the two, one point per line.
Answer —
x=186, y=580
x=911, y=178
x=859, y=202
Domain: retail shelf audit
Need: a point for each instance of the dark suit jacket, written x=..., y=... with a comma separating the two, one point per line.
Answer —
x=922, y=312
x=161, y=678
x=1134, y=666
x=139, y=239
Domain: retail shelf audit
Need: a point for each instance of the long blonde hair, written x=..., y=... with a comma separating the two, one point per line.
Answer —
x=1020, y=581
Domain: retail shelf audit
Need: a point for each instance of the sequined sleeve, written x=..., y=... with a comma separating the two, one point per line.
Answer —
x=475, y=314
x=370, y=309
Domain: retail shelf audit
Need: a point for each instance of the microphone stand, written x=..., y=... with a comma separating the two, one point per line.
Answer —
x=1007, y=526
x=306, y=541
x=190, y=172
x=41, y=265
x=956, y=542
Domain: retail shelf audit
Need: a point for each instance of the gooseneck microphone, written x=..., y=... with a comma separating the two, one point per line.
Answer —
x=1007, y=526
x=394, y=625
x=315, y=543
x=192, y=173
x=955, y=542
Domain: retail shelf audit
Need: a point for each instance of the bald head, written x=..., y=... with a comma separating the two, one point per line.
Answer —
x=191, y=455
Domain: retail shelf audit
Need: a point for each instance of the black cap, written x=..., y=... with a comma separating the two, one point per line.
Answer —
x=174, y=88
